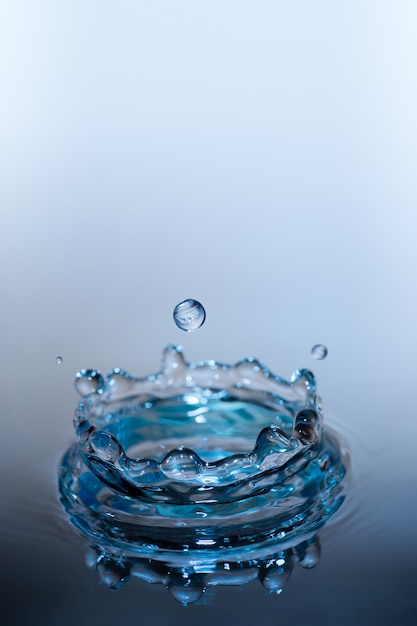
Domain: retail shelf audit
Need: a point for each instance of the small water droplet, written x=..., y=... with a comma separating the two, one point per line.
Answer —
x=189, y=315
x=88, y=382
x=83, y=432
x=305, y=426
x=113, y=574
x=319, y=351
x=275, y=575
x=106, y=446
x=181, y=464
x=185, y=588
x=308, y=553
x=59, y=359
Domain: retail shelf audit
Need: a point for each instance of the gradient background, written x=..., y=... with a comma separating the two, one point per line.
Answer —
x=260, y=157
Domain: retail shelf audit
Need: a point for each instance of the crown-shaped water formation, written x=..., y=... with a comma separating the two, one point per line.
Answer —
x=227, y=462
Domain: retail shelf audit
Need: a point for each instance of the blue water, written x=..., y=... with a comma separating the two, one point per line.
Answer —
x=196, y=485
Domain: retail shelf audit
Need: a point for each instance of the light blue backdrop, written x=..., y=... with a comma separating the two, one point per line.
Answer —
x=258, y=156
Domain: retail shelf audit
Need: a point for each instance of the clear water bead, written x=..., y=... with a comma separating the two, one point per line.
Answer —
x=59, y=359
x=88, y=382
x=319, y=351
x=189, y=315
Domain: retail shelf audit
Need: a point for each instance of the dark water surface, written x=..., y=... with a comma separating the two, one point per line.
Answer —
x=366, y=574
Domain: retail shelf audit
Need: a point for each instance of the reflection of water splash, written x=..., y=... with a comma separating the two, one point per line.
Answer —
x=188, y=582
x=177, y=475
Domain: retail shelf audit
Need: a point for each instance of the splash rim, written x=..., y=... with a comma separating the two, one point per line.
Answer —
x=288, y=437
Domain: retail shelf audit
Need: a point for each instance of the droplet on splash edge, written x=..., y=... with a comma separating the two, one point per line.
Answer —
x=189, y=315
x=319, y=351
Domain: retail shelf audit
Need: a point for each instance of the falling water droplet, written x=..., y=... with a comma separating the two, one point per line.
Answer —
x=319, y=351
x=189, y=315
x=59, y=359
